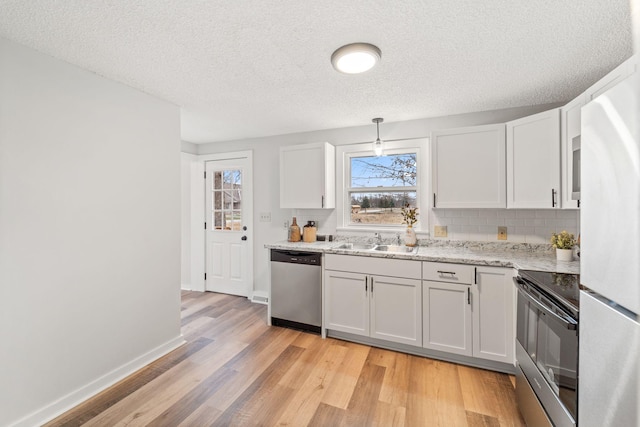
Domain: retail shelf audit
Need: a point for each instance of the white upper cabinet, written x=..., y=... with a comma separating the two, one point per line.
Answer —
x=307, y=176
x=533, y=161
x=614, y=77
x=468, y=167
x=570, y=141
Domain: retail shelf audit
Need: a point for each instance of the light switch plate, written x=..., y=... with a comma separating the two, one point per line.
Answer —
x=502, y=233
x=265, y=216
x=440, y=231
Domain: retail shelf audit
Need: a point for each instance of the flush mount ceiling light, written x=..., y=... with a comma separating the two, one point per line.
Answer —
x=378, y=144
x=355, y=58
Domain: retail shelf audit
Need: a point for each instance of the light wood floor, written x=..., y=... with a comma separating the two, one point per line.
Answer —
x=236, y=370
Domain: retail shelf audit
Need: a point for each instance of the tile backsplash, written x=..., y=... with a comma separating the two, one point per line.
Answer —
x=523, y=225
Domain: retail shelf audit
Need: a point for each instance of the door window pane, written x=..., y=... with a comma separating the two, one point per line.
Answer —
x=226, y=211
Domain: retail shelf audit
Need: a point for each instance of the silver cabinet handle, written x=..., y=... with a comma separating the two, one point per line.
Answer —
x=366, y=284
x=553, y=198
x=371, y=285
x=469, y=296
x=322, y=202
x=475, y=275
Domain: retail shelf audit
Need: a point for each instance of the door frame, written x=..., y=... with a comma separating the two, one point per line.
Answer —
x=198, y=241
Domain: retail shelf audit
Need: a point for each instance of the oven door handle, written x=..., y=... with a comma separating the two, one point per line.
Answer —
x=567, y=322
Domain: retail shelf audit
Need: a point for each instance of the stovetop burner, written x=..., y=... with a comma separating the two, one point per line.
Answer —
x=565, y=288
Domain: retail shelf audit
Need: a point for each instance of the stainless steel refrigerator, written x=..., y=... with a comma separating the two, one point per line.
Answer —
x=609, y=348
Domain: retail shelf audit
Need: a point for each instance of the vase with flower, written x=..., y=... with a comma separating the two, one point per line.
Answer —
x=564, y=243
x=410, y=217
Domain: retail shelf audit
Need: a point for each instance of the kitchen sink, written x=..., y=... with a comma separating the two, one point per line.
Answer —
x=379, y=248
x=395, y=248
x=357, y=246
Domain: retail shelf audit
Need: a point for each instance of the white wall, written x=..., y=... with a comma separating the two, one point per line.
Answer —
x=89, y=233
x=266, y=174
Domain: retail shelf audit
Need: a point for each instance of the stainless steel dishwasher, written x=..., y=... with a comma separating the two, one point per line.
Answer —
x=296, y=289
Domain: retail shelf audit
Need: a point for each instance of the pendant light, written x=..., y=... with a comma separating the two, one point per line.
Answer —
x=378, y=144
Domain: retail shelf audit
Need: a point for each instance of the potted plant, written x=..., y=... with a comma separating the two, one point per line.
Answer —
x=410, y=217
x=564, y=243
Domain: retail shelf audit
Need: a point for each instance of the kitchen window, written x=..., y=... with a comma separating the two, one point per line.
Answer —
x=375, y=189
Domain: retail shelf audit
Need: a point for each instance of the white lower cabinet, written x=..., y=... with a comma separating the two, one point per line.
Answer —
x=346, y=302
x=492, y=301
x=447, y=317
x=396, y=310
x=455, y=308
x=472, y=316
x=373, y=305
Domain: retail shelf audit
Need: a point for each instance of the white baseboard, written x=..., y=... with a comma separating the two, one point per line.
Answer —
x=78, y=396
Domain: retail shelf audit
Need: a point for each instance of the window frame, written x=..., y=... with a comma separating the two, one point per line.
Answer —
x=344, y=154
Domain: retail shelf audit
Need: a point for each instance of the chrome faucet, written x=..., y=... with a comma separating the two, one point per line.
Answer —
x=378, y=238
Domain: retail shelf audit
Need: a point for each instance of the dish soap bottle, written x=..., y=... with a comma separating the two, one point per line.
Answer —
x=294, y=231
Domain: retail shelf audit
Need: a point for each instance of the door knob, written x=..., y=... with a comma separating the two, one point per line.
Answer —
x=243, y=238
x=244, y=228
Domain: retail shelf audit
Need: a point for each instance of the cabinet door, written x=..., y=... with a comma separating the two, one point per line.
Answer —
x=533, y=161
x=570, y=137
x=346, y=302
x=447, y=317
x=614, y=77
x=493, y=299
x=307, y=176
x=468, y=167
x=396, y=309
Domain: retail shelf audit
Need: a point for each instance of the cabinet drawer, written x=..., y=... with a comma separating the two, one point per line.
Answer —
x=372, y=265
x=451, y=273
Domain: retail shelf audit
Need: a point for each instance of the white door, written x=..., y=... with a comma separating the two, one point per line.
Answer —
x=228, y=225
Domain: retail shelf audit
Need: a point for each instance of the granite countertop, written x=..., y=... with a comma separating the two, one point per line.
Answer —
x=519, y=256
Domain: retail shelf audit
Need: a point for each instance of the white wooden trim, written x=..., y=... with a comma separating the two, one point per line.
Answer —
x=420, y=145
x=198, y=241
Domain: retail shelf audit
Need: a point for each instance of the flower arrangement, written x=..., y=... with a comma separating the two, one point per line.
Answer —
x=409, y=215
x=563, y=240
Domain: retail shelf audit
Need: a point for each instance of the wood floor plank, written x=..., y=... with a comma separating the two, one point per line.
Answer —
x=396, y=380
x=327, y=415
x=304, y=403
x=480, y=420
x=343, y=384
x=389, y=415
x=485, y=392
x=435, y=397
x=236, y=370
x=251, y=363
x=246, y=408
x=152, y=399
x=365, y=395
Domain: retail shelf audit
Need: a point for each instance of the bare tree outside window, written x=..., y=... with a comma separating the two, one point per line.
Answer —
x=380, y=186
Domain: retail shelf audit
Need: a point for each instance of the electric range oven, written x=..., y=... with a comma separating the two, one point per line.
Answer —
x=547, y=347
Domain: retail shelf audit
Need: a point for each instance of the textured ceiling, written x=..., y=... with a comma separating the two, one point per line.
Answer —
x=242, y=69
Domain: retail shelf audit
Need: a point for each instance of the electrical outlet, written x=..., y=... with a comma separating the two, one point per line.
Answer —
x=440, y=231
x=286, y=225
x=502, y=233
x=265, y=216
